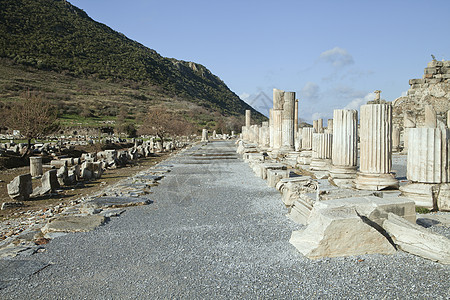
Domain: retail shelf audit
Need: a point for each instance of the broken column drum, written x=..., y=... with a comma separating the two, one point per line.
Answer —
x=395, y=139
x=376, y=148
x=427, y=168
x=305, y=154
x=345, y=146
x=321, y=151
x=36, y=166
x=288, y=122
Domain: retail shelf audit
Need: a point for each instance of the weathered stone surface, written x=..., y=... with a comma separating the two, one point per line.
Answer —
x=417, y=240
x=36, y=166
x=49, y=182
x=13, y=270
x=73, y=224
x=6, y=205
x=20, y=188
x=288, y=121
x=428, y=159
x=115, y=202
x=350, y=226
x=321, y=151
x=339, y=232
x=376, y=148
x=273, y=176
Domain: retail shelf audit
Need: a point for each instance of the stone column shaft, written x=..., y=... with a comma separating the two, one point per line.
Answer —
x=376, y=148
x=288, y=121
x=307, y=134
x=248, y=118
x=345, y=134
x=428, y=159
x=277, y=128
x=271, y=128
x=36, y=166
x=322, y=145
x=296, y=118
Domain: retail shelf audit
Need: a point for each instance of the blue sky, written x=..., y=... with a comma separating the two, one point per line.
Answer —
x=333, y=54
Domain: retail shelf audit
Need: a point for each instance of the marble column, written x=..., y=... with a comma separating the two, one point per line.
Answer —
x=288, y=122
x=316, y=125
x=307, y=133
x=36, y=166
x=345, y=147
x=264, y=141
x=305, y=154
x=330, y=126
x=248, y=118
x=448, y=119
x=319, y=125
x=409, y=121
x=321, y=151
x=277, y=113
x=376, y=148
x=205, y=135
x=296, y=118
x=270, y=129
x=427, y=166
x=395, y=139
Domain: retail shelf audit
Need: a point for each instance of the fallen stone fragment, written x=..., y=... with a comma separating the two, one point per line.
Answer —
x=6, y=205
x=73, y=224
x=20, y=187
x=115, y=202
x=339, y=232
x=417, y=240
x=351, y=226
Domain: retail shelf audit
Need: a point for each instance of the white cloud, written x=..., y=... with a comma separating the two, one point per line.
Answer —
x=337, y=57
x=310, y=91
x=355, y=103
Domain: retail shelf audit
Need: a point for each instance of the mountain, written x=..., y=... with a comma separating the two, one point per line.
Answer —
x=54, y=37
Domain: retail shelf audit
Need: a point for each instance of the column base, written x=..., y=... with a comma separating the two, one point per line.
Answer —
x=343, y=176
x=377, y=182
x=429, y=195
x=320, y=164
x=305, y=157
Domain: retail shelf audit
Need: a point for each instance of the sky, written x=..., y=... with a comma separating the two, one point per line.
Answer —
x=332, y=53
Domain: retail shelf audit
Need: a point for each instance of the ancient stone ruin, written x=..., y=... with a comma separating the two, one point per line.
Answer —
x=350, y=206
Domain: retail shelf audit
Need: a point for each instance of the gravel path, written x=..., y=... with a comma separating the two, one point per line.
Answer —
x=215, y=231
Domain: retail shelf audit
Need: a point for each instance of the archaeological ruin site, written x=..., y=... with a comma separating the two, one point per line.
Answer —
x=361, y=196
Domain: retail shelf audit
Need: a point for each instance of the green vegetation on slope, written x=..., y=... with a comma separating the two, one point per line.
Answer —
x=53, y=35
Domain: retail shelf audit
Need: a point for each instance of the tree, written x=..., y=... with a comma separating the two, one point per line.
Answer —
x=163, y=123
x=34, y=116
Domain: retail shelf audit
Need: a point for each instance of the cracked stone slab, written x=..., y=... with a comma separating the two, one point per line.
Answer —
x=13, y=270
x=116, y=202
x=74, y=224
x=417, y=240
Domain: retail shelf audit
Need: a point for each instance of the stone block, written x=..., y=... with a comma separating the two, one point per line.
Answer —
x=350, y=226
x=57, y=163
x=73, y=224
x=20, y=188
x=273, y=176
x=49, y=182
x=339, y=232
x=417, y=240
